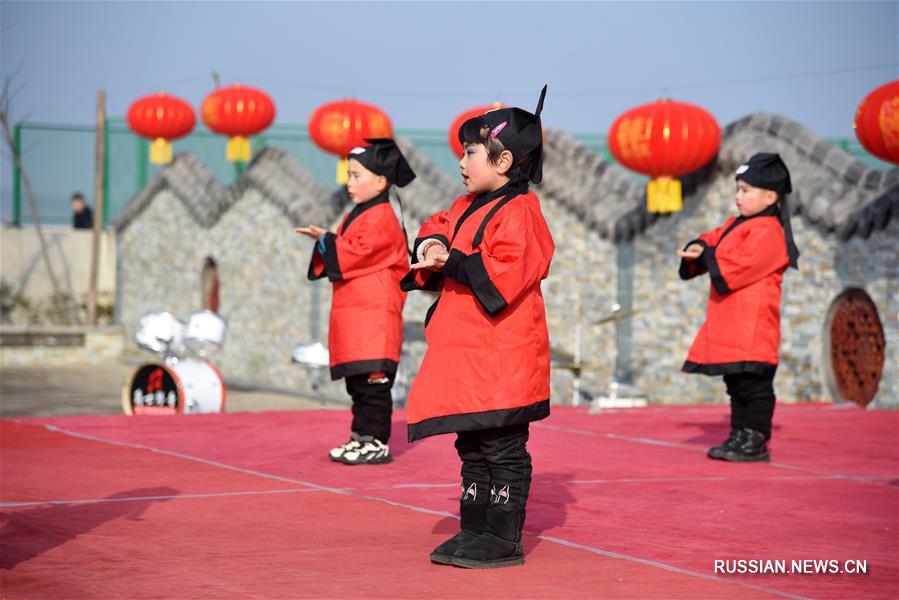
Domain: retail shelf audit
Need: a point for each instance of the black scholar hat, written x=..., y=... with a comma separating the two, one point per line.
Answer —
x=767, y=171
x=383, y=157
x=519, y=131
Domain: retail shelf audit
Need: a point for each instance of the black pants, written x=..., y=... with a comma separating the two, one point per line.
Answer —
x=751, y=401
x=496, y=466
x=372, y=406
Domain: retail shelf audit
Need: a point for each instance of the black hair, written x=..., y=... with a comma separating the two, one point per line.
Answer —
x=474, y=131
x=78, y=195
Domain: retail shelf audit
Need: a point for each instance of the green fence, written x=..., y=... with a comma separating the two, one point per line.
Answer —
x=59, y=160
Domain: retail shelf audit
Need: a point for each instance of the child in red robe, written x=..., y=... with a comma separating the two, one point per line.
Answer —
x=365, y=261
x=485, y=375
x=745, y=259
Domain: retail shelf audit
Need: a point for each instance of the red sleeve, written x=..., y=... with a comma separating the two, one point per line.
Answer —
x=371, y=244
x=316, y=264
x=515, y=256
x=760, y=253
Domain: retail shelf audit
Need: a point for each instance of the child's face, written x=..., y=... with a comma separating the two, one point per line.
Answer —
x=753, y=200
x=363, y=185
x=478, y=174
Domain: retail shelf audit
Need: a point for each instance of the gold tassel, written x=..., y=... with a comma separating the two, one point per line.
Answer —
x=342, y=176
x=238, y=149
x=663, y=195
x=160, y=151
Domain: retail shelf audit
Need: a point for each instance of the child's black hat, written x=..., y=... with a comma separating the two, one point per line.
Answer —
x=767, y=171
x=383, y=157
x=519, y=131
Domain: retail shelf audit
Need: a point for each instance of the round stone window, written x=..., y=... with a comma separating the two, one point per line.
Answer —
x=854, y=347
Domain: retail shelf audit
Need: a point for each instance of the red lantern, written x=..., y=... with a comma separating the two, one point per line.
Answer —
x=665, y=140
x=338, y=127
x=876, y=122
x=161, y=118
x=238, y=111
x=453, y=134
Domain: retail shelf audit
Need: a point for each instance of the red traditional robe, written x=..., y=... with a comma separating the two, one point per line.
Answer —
x=745, y=259
x=487, y=363
x=365, y=262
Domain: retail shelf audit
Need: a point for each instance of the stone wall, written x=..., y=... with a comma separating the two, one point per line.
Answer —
x=265, y=298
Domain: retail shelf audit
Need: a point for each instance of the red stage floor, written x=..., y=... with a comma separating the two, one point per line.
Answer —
x=623, y=505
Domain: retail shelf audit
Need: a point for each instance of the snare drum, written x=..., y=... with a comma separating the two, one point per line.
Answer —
x=175, y=387
x=205, y=332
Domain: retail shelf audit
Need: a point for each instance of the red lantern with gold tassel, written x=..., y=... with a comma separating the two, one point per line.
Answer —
x=338, y=127
x=161, y=118
x=876, y=122
x=238, y=111
x=453, y=133
x=665, y=140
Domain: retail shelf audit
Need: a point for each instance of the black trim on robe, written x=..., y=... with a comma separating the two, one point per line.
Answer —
x=733, y=368
x=479, y=234
x=693, y=268
x=430, y=312
x=512, y=188
x=330, y=260
x=363, y=367
x=331, y=268
x=452, y=268
x=432, y=284
x=480, y=420
x=382, y=198
x=711, y=263
x=469, y=269
x=484, y=290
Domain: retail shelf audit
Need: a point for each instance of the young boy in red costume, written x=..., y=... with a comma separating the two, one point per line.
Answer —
x=365, y=261
x=485, y=375
x=745, y=259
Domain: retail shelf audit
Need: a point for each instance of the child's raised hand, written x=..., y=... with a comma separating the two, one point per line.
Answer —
x=312, y=231
x=692, y=252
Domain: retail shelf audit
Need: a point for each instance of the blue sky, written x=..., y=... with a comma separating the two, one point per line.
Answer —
x=424, y=62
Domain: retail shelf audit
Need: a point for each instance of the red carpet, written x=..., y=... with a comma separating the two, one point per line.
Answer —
x=623, y=505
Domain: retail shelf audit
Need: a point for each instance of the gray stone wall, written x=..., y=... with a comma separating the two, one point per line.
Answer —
x=265, y=297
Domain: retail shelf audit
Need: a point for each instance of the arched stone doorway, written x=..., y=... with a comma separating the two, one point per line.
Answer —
x=210, y=285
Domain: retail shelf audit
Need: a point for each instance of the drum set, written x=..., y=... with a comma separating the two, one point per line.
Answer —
x=183, y=379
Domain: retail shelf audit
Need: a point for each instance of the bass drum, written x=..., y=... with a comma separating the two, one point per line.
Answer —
x=177, y=387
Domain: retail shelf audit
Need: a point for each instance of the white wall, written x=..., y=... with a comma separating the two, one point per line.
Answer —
x=22, y=265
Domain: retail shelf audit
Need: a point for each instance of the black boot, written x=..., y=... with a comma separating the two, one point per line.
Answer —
x=751, y=446
x=472, y=510
x=499, y=545
x=730, y=443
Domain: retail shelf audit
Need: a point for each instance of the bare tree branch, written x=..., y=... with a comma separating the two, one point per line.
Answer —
x=5, y=102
